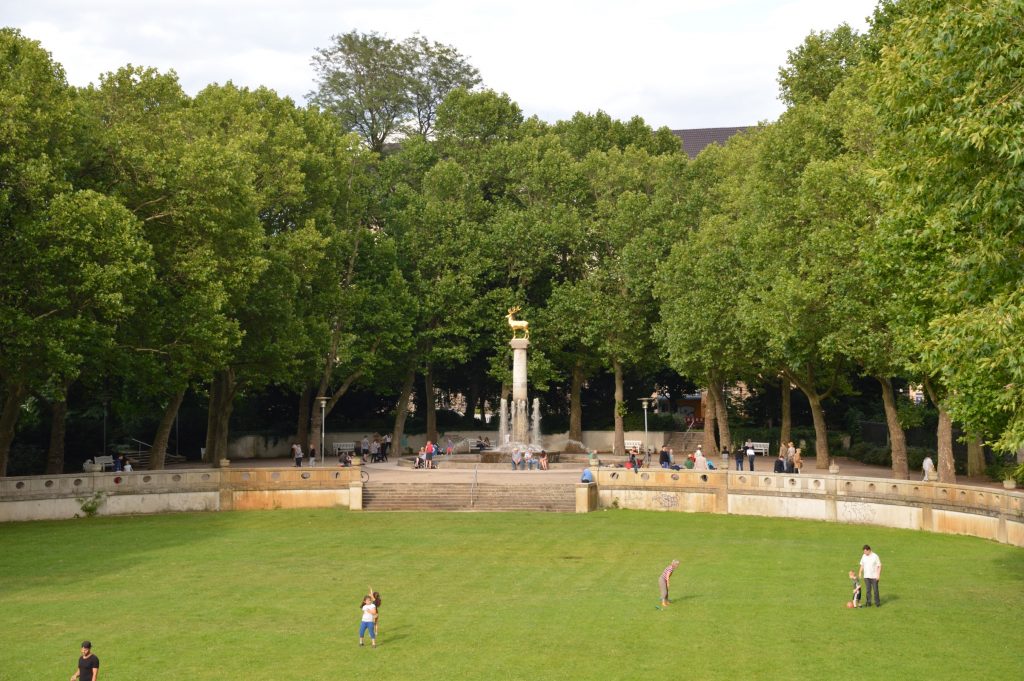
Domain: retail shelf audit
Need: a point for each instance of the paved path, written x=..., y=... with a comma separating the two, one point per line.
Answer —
x=392, y=472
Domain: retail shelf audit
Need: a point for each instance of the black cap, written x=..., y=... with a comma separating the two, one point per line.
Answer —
x=87, y=644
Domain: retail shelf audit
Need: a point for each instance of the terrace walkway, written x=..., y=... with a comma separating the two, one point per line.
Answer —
x=393, y=473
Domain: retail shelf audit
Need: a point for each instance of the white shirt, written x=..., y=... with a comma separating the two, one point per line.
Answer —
x=369, y=612
x=871, y=565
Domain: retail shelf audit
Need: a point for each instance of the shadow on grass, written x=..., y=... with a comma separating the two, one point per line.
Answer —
x=1012, y=565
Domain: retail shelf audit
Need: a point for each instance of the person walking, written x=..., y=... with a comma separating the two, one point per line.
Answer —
x=665, y=581
x=297, y=454
x=88, y=665
x=871, y=571
x=739, y=458
x=751, y=454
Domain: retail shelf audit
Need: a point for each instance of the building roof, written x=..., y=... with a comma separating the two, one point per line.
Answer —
x=695, y=139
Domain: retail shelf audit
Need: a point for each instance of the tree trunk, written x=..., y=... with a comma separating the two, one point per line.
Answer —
x=222, y=397
x=158, y=454
x=897, y=439
x=8, y=420
x=710, y=409
x=302, y=425
x=786, y=426
x=576, y=410
x=619, y=442
x=58, y=429
x=430, y=407
x=401, y=411
x=975, y=456
x=946, y=465
x=724, y=433
x=820, y=430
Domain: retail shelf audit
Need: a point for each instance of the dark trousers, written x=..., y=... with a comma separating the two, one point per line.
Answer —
x=298, y=462
x=750, y=460
x=739, y=462
x=870, y=586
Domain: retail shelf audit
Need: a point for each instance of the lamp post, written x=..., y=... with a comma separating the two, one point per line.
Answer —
x=323, y=409
x=645, y=401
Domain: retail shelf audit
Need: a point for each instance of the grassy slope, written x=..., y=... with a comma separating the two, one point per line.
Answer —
x=275, y=596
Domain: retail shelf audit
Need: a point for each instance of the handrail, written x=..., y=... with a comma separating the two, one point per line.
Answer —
x=472, y=489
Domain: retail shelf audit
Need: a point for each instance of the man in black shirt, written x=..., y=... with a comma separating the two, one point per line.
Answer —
x=88, y=665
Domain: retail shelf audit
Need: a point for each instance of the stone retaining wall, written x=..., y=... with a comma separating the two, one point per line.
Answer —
x=935, y=507
x=55, y=497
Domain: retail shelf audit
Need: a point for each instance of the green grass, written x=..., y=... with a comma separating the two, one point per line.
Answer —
x=275, y=596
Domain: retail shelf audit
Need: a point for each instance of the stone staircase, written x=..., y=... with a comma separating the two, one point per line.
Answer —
x=450, y=496
x=685, y=442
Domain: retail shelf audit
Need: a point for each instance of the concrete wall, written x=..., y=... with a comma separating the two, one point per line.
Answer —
x=949, y=509
x=61, y=496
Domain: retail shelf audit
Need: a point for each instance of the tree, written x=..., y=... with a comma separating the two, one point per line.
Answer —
x=379, y=88
x=437, y=70
x=954, y=158
x=819, y=64
x=71, y=278
x=194, y=189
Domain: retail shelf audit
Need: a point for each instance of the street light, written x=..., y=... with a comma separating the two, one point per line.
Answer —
x=646, y=401
x=323, y=408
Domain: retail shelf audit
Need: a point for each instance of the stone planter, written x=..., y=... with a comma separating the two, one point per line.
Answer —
x=833, y=469
x=1010, y=483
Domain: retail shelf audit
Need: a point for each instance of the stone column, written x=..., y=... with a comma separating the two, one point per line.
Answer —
x=520, y=420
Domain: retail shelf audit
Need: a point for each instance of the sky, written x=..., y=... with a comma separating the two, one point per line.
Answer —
x=675, y=63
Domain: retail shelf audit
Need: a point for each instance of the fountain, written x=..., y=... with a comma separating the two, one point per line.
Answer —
x=502, y=424
x=535, y=436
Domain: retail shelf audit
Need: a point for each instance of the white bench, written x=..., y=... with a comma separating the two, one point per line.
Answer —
x=761, y=448
x=99, y=463
x=342, y=447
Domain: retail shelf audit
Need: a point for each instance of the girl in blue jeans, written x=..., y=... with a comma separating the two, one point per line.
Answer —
x=368, y=621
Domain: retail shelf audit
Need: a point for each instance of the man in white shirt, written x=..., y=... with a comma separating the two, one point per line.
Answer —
x=871, y=571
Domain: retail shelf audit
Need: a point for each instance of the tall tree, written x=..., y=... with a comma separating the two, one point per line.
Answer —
x=379, y=87
x=954, y=157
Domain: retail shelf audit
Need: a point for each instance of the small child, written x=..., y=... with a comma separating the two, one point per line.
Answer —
x=855, y=583
x=368, y=621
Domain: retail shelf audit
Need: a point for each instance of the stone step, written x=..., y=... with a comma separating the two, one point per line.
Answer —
x=463, y=496
x=685, y=442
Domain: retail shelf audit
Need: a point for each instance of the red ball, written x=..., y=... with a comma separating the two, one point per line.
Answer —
x=849, y=604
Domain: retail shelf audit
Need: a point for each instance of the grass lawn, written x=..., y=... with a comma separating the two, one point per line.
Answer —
x=275, y=596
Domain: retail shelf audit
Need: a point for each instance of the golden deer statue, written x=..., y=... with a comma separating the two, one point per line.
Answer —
x=517, y=324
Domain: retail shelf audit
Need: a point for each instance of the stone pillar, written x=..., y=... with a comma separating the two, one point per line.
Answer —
x=520, y=419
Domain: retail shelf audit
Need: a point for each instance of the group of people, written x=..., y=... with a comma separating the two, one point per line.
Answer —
x=789, y=461
x=375, y=449
x=425, y=458
x=299, y=456
x=527, y=460
x=695, y=461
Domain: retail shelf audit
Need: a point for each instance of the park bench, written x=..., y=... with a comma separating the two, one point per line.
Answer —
x=761, y=448
x=99, y=463
x=342, y=447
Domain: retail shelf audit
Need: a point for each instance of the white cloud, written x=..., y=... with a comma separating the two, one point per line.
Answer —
x=687, y=63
